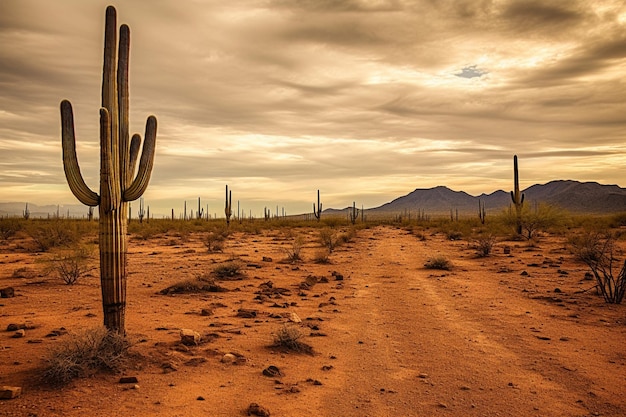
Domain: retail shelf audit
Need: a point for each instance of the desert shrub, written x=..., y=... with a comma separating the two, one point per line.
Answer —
x=599, y=252
x=214, y=241
x=322, y=257
x=228, y=271
x=484, y=244
x=85, y=353
x=54, y=233
x=438, y=262
x=72, y=264
x=288, y=338
x=199, y=284
x=328, y=238
x=9, y=227
x=293, y=252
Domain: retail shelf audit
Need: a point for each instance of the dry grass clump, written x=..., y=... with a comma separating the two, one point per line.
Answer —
x=293, y=252
x=484, y=245
x=72, y=264
x=85, y=353
x=288, y=339
x=229, y=271
x=197, y=285
x=439, y=262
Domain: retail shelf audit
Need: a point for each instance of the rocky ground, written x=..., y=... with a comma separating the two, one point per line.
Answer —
x=518, y=334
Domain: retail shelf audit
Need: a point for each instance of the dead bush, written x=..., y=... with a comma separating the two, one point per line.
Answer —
x=438, y=262
x=288, y=338
x=72, y=264
x=83, y=354
x=484, y=245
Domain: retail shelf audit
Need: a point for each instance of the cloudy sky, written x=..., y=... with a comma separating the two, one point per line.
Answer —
x=365, y=100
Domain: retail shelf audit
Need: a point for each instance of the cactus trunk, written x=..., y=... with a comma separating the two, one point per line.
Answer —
x=118, y=158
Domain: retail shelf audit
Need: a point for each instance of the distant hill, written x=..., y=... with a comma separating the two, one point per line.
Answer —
x=574, y=196
x=77, y=211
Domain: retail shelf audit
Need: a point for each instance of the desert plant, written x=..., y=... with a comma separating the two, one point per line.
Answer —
x=288, y=338
x=484, y=244
x=293, y=252
x=353, y=213
x=517, y=197
x=54, y=233
x=118, y=158
x=599, y=252
x=228, y=271
x=228, y=208
x=72, y=265
x=9, y=227
x=328, y=238
x=482, y=214
x=26, y=213
x=438, y=262
x=317, y=211
x=84, y=353
x=214, y=241
x=322, y=257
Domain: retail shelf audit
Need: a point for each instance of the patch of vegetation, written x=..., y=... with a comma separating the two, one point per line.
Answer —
x=84, y=354
x=293, y=252
x=197, y=285
x=229, y=271
x=484, y=245
x=439, y=262
x=599, y=252
x=72, y=264
x=55, y=233
x=288, y=339
x=9, y=227
x=322, y=257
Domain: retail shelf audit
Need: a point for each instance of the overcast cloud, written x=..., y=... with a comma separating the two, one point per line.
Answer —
x=365, y=100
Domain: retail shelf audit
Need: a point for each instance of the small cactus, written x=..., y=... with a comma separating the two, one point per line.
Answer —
x=317, y=211
x=142, y=212
x=482, y=215
x=200, y=211
x=26, y=213
x=517, y=197
x=228, y=211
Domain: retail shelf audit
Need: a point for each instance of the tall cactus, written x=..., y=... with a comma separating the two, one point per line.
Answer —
x=200, y=211
x=228, y=210
x=517, y=197
x=317, y=211
x=26, y=213
x=354, y=213
x=118, y=159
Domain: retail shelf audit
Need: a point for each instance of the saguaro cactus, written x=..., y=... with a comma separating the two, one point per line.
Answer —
x=26, y=213
x=200, y=211
x=354, y=213
x=482, y=214
x=118, y=159
x=517, y=197
x=228, y=211
x=317, y=211
x=142, y=212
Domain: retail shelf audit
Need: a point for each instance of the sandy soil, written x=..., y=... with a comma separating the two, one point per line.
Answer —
x=506, y=335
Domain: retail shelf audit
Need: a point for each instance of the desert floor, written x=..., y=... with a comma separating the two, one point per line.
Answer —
x=507, y=335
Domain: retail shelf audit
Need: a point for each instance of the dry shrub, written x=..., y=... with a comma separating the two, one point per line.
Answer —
x=197, y=285
x=438, y=262
x=288, y=339
x=228, y=271
x=293, y=252
x=484, y=245
x=85, y=353
x=72, y=264
x=322, y=257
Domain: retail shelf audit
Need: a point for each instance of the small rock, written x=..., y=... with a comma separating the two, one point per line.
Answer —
x=293, y=317
x=246, y=313
x=272, y=371
x=228, y=358
x=8, y=393
x=558, y=290
x=189, y=337
x=422, y=376
x=206, y=312
x=200, y=398
x=442, y=405
x=267, y=259
x=19, y=334
x=8, y=292
x=255, y=409
x=128, y=380
x=524, y=273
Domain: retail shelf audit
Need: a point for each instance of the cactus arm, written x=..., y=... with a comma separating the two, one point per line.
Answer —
x=126, y=170
x=140, y=183
x=70, y=161
x=135, y=144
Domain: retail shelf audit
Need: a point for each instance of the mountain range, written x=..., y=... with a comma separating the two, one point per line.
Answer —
x=574, y=196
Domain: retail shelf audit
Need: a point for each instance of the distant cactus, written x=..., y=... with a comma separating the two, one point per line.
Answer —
x=228, y=209
x=90, y=213
x=200, y=211
x=517, y=197
x=354, y=213
x=118, y=158
x=317, y=211
x=142, y=212
x=26, y=213
x=266, y=214
x=482, y=215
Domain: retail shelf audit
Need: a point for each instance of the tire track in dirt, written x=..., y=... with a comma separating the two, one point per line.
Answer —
x=417, y=351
